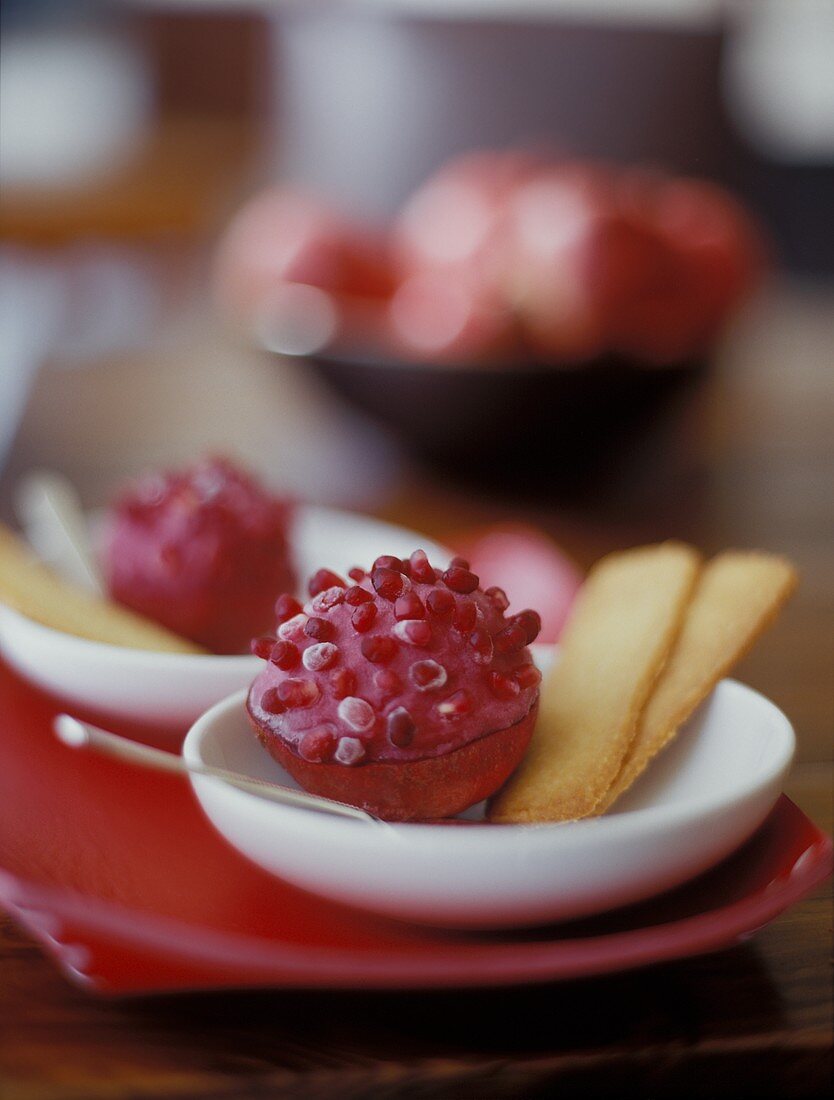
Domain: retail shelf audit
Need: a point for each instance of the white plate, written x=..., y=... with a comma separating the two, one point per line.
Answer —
x=170, y=690
x=702, y=798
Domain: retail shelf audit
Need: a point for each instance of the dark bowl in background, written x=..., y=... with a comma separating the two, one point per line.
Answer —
x=495, y=424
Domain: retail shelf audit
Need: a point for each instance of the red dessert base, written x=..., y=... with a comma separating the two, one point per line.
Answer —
x=415, y=790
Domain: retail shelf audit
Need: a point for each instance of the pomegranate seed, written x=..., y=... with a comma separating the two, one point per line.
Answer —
x=293, y=629
x=440, y=602
x=350, y=750
x=357, y=574
x=328, y=599
x=320, y=629
x=298, y=693
x=401, y=728
x=317, y=745
x=427, y=675
x=363, y=617
x=271, y=702
x=421, y=571
x=459, y=563
x=285, y=655
x=530, y=622
x=322, y=579
x=343, y=683
x=459, y=579
x=388, y=583
x=320, y=656
x=482, y=645
x=503, y=687
x=415, y=631
x=409, y=606
x=356, y=714
x=387, y=683
x=379, y=650
x=262, y=647
x=356, y=595
x=456, y=706
x=511, y=638
x=498, y=598
x=528, y=676
x=465, y=617
x=388, y=561
x=285, y=607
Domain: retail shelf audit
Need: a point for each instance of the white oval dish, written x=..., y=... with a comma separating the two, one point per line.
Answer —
x=170, y=690
x=701, y=799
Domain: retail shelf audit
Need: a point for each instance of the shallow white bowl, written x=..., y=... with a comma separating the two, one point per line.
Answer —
x=170, y=690
x=702, y=798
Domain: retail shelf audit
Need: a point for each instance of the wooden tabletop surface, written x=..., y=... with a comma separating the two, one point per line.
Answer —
x=747, y=463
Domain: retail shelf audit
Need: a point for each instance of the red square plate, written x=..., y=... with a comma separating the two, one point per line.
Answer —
x=118, y=874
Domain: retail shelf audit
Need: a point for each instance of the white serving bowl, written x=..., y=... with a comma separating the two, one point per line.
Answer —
x=170, y=690
x=701, y=799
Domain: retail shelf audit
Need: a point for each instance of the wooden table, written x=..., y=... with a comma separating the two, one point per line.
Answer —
x=749, y=464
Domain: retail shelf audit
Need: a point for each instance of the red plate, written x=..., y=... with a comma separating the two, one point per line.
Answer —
x=121, y=878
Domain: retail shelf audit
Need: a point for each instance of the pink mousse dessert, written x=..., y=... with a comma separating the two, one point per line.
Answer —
x=406, y=690
x=202, y=551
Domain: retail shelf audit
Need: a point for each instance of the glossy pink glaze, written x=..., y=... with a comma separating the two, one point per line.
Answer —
x=417, y=687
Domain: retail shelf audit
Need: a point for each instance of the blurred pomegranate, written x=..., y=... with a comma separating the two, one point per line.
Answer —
x=627, y=261
x=451, y=316
x=639, y=285
x=281, y=239
x=457, y=220
x=718, y=241
x=530, y=567
x=557, y=222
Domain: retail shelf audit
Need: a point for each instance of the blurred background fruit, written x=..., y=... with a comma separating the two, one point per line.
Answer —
x=535, y=572
x=283, y=236
x=504, y=257
x=520, y=309
x=365, y=116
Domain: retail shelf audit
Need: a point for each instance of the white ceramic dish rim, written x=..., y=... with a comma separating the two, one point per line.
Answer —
x=145, y=659
x=634, y=821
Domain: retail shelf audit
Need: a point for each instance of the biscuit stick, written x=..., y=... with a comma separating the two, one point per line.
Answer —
x=737, y=597
x=627, y=617
x=28, y=586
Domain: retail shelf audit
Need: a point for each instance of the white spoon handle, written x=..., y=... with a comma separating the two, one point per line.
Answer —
x=81, y=735
x=51, y=516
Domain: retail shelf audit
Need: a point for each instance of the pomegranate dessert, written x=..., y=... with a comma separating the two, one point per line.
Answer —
x=405, y=690
x=203, y=551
